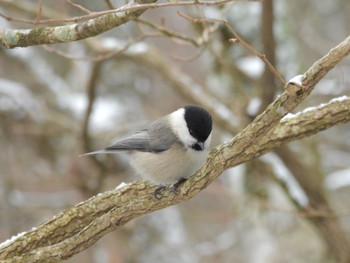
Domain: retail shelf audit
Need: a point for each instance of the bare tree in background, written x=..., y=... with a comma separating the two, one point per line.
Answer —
x=91, y=72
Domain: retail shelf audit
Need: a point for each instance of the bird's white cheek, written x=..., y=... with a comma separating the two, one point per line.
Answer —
x=179, y=127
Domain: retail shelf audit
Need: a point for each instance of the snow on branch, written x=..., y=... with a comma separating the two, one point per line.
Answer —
x=308, y=122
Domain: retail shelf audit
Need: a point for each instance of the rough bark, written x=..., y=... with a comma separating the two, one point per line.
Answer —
x=10, y=38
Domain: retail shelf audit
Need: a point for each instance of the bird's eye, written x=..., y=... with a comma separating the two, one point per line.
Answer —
x=196, y=147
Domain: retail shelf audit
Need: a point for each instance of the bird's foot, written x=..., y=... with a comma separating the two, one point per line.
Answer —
x=159, y=189
x=173, y=188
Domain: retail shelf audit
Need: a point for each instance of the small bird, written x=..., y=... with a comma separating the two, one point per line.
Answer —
x=170, y=149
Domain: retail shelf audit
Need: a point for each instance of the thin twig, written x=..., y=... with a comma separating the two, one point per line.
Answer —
x=190, y=58
x=80, y=7
x=120, y=9
x=238, y=39
x=102, y=56
x=37, y=20
x=167, y=32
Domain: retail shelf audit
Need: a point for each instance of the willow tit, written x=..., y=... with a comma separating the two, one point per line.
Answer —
x=170, y=149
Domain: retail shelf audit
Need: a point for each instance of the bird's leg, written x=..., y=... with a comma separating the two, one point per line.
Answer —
x=174, y=186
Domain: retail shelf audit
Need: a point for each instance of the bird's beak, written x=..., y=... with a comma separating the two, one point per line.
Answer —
x=201, y=144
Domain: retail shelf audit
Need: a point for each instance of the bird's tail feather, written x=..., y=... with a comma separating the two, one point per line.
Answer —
x=93, y=153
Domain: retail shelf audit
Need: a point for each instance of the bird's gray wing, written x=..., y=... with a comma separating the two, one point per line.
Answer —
x=155, y=138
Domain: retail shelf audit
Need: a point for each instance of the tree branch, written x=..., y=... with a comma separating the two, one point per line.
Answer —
x=97, y=23
x=10, y=38
x=307, y=123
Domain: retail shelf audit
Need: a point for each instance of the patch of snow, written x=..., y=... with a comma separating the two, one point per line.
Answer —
x=315, y=108
x=294, y=115
x=10, y=240
x=253, y=106
x=297, y=80
x=138, y=48
x=338, y=179
x=289, y=116
x=105, y=111
x=77, y=103
x=339, y=99
x=112, y=43
x=252, y=66
x=121, y=185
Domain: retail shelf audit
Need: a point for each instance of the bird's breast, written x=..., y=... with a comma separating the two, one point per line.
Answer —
x=168, y=166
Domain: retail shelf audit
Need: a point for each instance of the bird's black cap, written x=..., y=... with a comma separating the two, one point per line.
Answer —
x=198, y=121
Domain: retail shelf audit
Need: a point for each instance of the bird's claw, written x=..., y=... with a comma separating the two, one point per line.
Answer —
x=173, y=188
x=157, y=192
x=176, y=185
